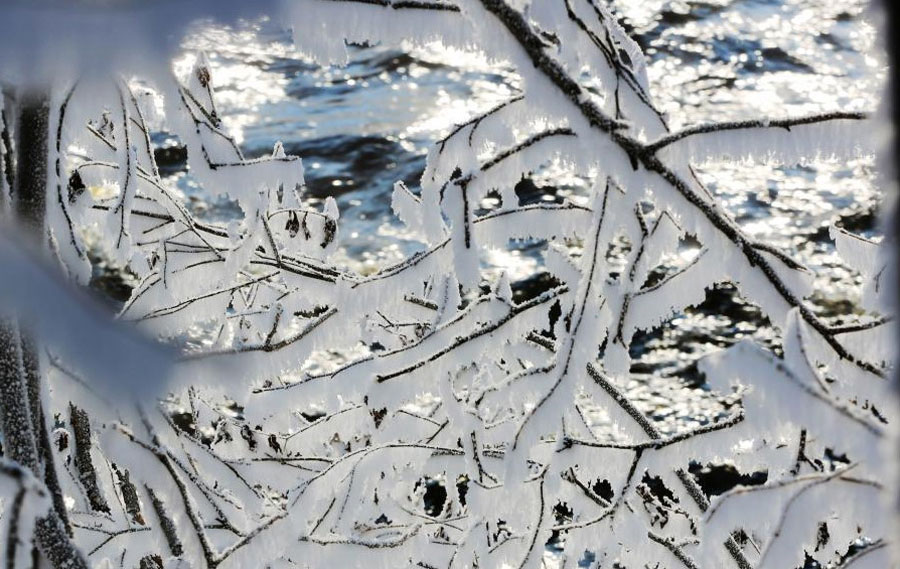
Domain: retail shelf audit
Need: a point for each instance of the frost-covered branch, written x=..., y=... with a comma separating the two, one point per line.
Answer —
x=434, y=413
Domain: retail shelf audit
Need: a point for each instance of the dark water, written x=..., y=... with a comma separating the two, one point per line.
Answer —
x=362, y=127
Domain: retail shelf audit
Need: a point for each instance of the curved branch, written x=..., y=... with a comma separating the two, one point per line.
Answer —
x=752, y=124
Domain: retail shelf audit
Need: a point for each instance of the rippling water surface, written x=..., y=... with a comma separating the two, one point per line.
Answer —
x=362, y=127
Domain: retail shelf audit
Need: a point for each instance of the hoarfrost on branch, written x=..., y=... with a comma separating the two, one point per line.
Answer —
x=251, y=458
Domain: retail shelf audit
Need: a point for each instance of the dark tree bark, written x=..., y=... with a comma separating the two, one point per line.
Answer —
x=32, y=131
x=892, y=13
x=81, y=429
